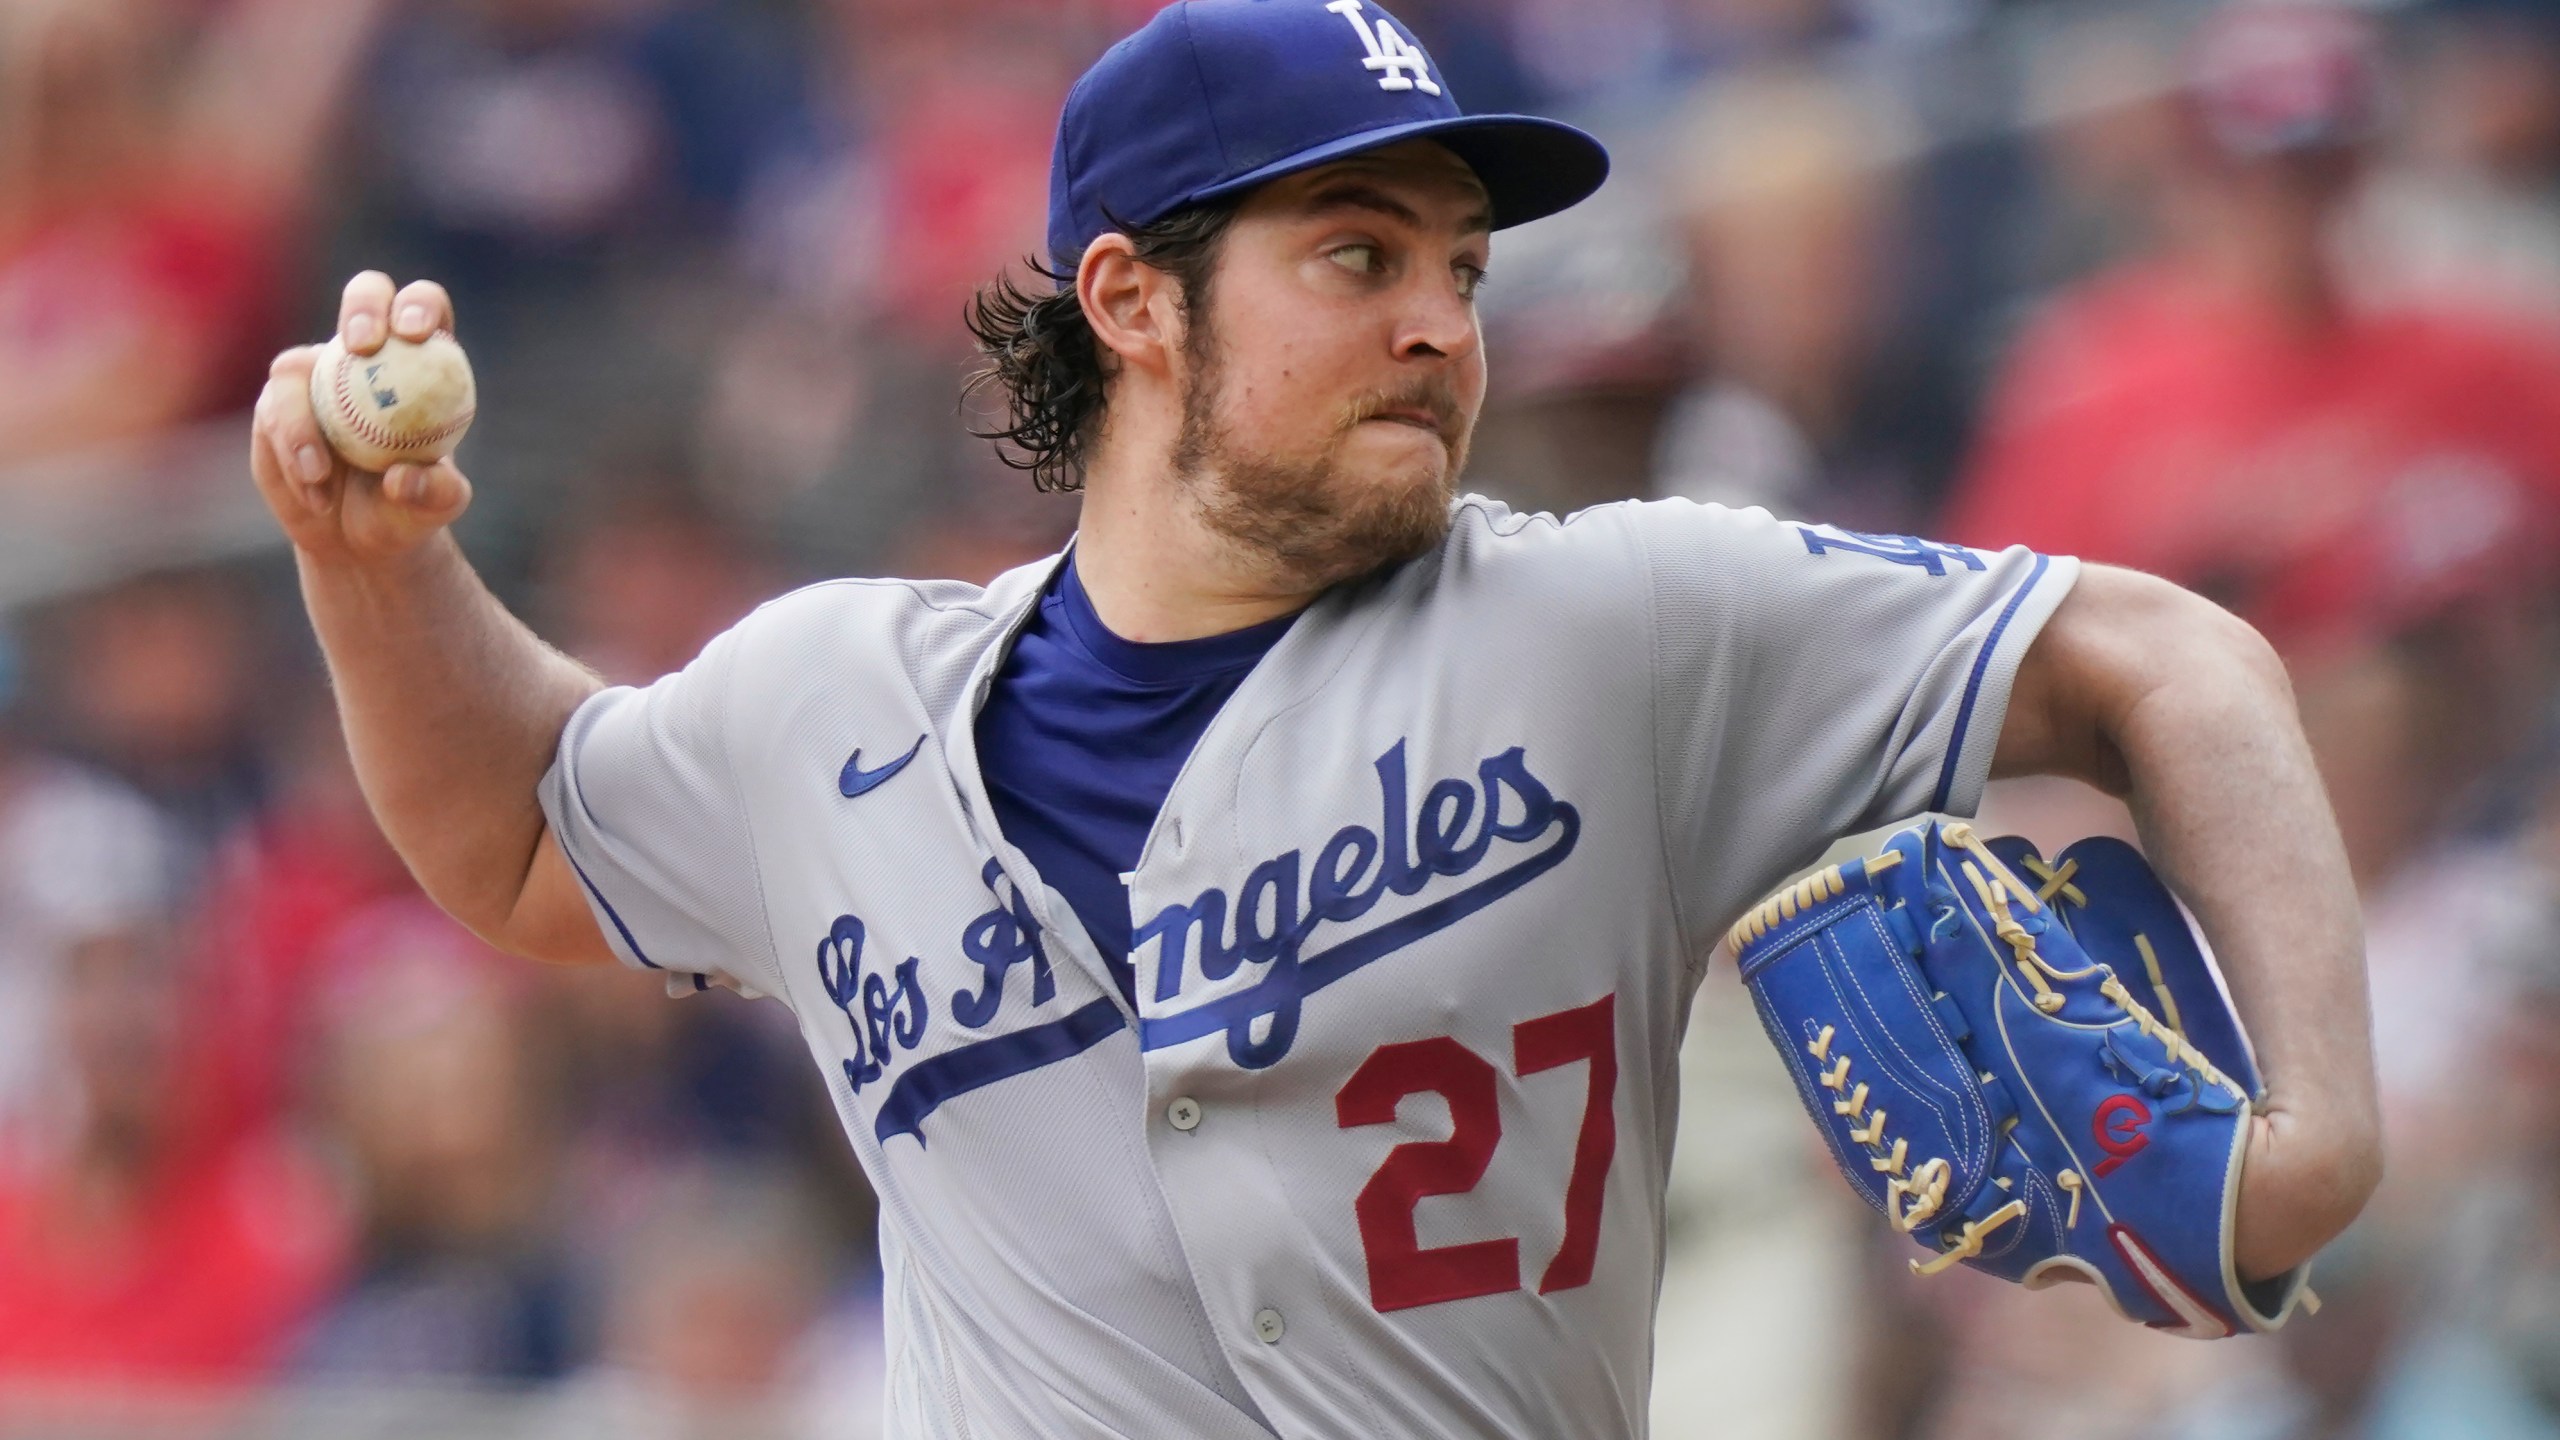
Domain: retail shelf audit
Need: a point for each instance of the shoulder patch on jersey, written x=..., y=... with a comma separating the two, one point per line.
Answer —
x=1936, y=557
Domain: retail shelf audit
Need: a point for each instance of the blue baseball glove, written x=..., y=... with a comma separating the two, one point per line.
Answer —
x=2030, y=1069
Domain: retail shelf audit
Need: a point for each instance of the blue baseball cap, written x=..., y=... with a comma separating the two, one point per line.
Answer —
x=1213, y=97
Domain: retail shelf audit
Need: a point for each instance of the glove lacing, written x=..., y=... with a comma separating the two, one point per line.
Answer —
x=2001, y=886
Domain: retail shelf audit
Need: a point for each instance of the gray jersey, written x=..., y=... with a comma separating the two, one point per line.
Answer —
x=1377, y=1147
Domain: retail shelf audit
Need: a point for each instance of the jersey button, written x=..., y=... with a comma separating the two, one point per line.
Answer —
x=1183, y=1114
x=1268, y=1326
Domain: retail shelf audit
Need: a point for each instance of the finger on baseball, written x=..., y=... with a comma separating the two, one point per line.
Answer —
x=271, y=458
x=364, y=312
x=431, y=493
x=421, y=309
x=290, y=458
x=311, y=495
x=284, y=410
x=294, y=364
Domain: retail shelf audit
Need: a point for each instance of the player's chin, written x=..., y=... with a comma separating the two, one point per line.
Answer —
x=1404, y=466
x=1390, y=515
x=1363, y=507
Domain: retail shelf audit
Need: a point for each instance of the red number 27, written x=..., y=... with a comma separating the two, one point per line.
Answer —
x=1402, y=1273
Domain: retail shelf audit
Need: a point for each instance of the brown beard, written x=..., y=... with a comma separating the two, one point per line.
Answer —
x=1307, y=521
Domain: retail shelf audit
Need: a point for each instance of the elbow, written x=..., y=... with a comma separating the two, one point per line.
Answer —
x=2243, y=651
x=504, y=928
x=2187, y=637
x=2308, y=1178
x=2162, y=647
x=2363, y=1175
x=534, y=911
x=2126, y=654
x=543, y=941
x=2350, y=1171
x=548, y=918
x=2353, y=1173
x=2359, y=1164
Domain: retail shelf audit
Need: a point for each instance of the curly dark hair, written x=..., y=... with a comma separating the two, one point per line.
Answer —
x=1040, y=348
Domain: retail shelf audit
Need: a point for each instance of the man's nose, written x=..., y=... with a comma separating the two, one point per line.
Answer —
x=1437, y=322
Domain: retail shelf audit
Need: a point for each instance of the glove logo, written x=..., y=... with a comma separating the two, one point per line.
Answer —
x=2118, y=1129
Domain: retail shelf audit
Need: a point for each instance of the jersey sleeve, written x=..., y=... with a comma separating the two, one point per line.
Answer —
x=644, y=802
x=1812, y=682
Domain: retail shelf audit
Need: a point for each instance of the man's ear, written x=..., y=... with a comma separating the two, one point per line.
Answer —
x=1131, y=305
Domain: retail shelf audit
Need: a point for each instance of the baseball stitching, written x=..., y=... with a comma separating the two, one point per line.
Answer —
x=363, y=425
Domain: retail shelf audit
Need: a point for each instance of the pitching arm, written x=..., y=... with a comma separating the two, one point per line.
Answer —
x=2166, y=700
x=452, y=707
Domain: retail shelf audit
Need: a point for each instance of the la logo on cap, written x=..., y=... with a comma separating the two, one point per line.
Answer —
x=1214, y=97
x=1400, y=63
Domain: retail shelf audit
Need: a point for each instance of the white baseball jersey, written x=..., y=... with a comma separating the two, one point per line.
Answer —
x=1379, y=1148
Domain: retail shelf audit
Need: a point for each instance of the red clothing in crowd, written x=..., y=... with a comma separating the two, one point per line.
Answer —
x=212, y=1275
x=127, y=316
x=2346, y=483
x=208, y=1281
x=277, y=897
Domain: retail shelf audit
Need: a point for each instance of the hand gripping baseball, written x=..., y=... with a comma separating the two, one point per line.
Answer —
x=329, y=508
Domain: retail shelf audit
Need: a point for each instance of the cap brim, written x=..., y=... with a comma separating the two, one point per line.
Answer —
x=1531, y=167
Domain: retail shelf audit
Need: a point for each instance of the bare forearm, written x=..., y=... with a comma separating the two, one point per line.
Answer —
x=2163, y=698
x=2231, y=809
x=452, y=709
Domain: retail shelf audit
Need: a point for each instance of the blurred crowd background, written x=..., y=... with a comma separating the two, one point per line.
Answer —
x=2262, y=297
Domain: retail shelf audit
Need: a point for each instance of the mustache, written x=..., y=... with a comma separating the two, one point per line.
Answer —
x=1436, y=397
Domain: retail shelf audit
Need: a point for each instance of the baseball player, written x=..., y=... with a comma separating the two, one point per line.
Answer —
x=1249, y=950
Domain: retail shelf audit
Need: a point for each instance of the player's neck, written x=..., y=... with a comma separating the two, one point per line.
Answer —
x=1156, y=572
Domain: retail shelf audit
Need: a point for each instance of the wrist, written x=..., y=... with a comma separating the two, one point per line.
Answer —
x=344, y=567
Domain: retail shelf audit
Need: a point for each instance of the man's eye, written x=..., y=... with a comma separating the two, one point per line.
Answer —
x=1358, y=259
x=1470, y=280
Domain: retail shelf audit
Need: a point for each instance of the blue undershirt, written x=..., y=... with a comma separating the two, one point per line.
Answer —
x=1082, y=736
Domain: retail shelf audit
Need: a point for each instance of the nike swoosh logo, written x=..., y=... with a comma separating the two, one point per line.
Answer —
x=857, y=781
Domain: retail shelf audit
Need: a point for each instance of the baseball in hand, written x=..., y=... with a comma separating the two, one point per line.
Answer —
x=407, y=402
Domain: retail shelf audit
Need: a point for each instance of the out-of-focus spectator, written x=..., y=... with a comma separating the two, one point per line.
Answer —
x=637, y=587
x=2101, y=103
x=135, y=1244
x=154, y=159
x=956, y=120
x=829, y=415
x=1586, y=49
x=80, y=855
x=155, y=680
x=445, y=1107
x=2376, y=488
x=2468, y=210
x=278, y=891
x=712, y=1324
x=1807, y=399
x=570, y=170
x=514, y=144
